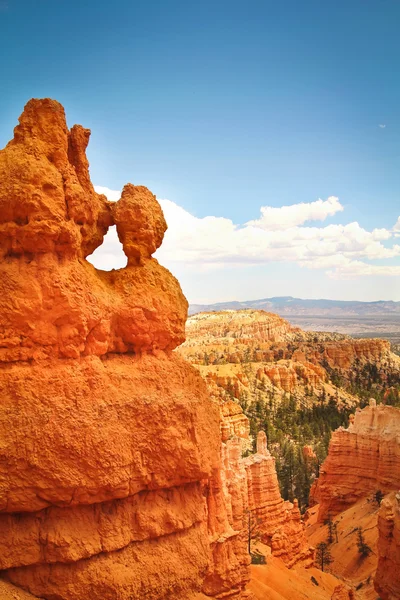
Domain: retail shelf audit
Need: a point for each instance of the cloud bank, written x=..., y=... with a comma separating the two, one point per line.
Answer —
x=278, y=235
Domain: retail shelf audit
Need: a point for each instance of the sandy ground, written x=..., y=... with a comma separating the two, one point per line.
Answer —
x=348, y=564
x=274, y=581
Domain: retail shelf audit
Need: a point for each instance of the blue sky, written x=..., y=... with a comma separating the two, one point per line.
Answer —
x=225, y=107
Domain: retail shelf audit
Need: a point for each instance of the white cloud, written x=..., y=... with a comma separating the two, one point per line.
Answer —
x=112, y=195
x=277, y=219
x=356, y=268
x=397, y=225
x=382, y=126
x=278, y=236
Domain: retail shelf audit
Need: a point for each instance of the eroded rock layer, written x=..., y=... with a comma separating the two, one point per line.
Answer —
x=362, y=459
x=108, y=441
x=279, y=523
x=387, y=579
x=245, y=352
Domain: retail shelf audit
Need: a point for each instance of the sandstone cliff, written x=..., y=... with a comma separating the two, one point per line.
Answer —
x=362, y=459
x=251, y=325
x=259, y=336
x=108, y=440
x=387, y=579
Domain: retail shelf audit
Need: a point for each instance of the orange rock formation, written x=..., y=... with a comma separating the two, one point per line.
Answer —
x=233, y=421
x=108, y=440
x=387, y=579
x=10, y=592
x=252, y=325
x=342, y=592
x=343, y=354
x=265, y=337
x=362, y=459
x=121, y=476
x=280, y=522
x=288, y=375
x=229, y=572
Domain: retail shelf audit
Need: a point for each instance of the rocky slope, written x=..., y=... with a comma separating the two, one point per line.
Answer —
x=347, y=562
x=274, y=581
x=362, y=459
x=10, y=592
x=237, y=325
x=363, y=464
x=108, y=440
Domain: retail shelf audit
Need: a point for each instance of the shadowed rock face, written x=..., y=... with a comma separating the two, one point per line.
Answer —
x=387, y=580
x=107, y=439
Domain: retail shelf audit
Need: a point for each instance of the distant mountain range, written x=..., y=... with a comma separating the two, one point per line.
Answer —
x=289, y=306
x=358, y=319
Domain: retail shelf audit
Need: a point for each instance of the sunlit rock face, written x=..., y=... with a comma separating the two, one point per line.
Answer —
x=279, y=521
x=344, y=354
x=387, y=580
x=108, y=440
x=362, y=459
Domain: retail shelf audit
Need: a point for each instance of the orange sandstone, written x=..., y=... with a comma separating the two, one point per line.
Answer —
x=342, y=592
x=108, y=441
x=279, y=521
x=387, y=580
x=362, y=459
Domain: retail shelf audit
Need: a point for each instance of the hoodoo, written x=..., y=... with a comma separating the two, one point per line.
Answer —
x=108, y=440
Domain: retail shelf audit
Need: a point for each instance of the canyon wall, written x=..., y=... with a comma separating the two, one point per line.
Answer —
x=109, y=442
x=387, y=579
x=345, y=353
x=229, y=572
x=251, y=325
x=259, y=336
x=290, y=375
x=362, y=459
